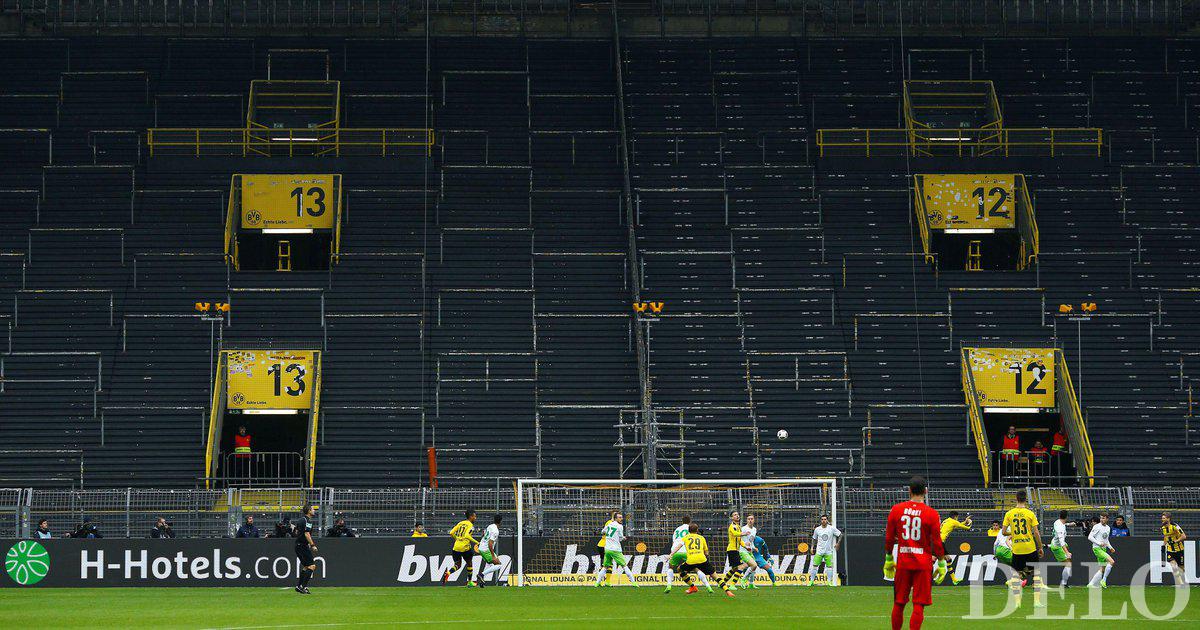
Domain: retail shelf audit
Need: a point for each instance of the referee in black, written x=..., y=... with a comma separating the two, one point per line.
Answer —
x=305, y=548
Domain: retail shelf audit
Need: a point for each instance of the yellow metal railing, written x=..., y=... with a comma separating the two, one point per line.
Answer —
x=922, y=215
x=1068, y=406
x=290, y=142
x=1027, y=225
x=218, y=397
x=232, y=212
x=975, y=418
x=316, y=416
x=963, y=142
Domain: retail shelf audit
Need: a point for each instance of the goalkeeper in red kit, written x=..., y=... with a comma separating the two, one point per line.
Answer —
x=914, y=533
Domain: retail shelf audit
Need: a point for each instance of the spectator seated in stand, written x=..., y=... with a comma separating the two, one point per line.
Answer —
x=419, y=531
x=43, y=530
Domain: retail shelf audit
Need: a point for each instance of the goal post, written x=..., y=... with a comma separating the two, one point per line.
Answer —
x=559, y=523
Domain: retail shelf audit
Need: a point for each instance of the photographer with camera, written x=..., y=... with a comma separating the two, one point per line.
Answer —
x=340, y=529
x=162, y=529
x=86, y=530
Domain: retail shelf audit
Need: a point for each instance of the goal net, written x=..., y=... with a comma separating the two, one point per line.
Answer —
x=559, y=524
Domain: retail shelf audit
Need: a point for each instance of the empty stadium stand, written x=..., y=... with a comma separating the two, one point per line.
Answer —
x=483, y=301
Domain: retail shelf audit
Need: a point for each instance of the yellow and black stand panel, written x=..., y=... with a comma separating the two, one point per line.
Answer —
x=264, y=420
x=978, y=221
x=284, y=222
x=1028, y=391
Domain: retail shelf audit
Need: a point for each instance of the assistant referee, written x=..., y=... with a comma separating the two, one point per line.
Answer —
x=305, y=548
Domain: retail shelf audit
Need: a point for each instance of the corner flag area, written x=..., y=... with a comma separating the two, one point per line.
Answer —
x=849, y=608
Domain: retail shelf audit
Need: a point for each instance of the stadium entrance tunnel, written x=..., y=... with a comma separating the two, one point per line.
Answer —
x=284, y=252
x=283, y=222
x=263, y=424
x=998, y=251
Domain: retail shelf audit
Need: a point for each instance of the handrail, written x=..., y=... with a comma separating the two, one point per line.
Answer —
x=1028, y=224
x=1068, y=404
x=982, y=449
x=199, y=141
x=985, y=140
x=316, y=413
x=235, y=187
x=922, y=214
x=217, y=397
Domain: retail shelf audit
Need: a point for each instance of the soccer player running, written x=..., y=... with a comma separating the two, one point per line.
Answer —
x=738, y=557
x=1173, y=538
x=762, y=556
x=697, y=561
x=462, y=549
x=746, y=552
x=826, y=540
x=949, y=526
x=490, y=552
x=912, y=534
x=1058, y=547
x=614, y=533
x=1021, y=526
x=1102, y=550
x=678, y=553
x=305, y=548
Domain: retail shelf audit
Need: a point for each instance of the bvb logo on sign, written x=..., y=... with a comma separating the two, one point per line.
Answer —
x=253, y=217
x=27, y=562
x=238, y=398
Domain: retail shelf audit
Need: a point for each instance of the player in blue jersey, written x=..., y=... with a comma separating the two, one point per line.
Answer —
x=762, y=556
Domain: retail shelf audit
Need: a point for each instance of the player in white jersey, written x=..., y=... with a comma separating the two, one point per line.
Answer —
x=489, y=550
x=1058, y=547
x=1002, y=547
x=749, y=533
x=613, y=534
x=826, y=540
x=678, y=553
x=1102, y=550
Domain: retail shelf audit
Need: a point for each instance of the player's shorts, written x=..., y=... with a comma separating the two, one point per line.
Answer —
x=462, y=556
x=827, y=558
x=1101, y=555
x=745, y=556
x=734, y=557
x=305, y=554
x=1176, y=557
x=1003, y=554
x=613, y=558
x=600, y=549
x=760, y=560
x=1060, y=553
x=920, y=581
x=678, y=558
x=487, y=556
x=705, y=567
x=1021, y=561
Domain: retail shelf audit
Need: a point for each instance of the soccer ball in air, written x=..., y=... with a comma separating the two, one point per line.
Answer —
x=782, y=434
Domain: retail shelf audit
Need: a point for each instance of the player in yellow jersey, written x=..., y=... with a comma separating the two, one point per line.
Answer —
x=736, y=554
x=949, y=526
x=1173, y=538
x=1021, y=525
x=463, y=551
x=697, y=561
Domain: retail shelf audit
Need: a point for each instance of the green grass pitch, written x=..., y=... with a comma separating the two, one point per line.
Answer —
x=851, y=608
